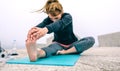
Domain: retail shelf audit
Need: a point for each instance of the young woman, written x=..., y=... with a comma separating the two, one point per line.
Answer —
x=59, y=23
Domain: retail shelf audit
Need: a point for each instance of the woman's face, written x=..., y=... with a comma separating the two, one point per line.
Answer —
x=55, y=18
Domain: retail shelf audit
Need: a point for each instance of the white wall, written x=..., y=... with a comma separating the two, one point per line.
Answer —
x=90, y=17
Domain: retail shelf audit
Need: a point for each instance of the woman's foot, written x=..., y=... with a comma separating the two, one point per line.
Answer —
x=61, y=52
x=40, y=53
x=68, y=51
x=32, y=50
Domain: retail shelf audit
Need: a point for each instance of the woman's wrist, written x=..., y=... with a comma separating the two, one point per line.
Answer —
x=45, y=29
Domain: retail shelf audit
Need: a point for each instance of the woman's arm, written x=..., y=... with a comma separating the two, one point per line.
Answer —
x=60, y=24
x=45, y=22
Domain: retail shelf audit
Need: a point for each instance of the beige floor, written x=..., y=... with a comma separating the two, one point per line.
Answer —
x=94, y=59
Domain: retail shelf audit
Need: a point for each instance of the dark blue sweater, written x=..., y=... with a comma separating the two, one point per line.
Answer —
x=63, y=29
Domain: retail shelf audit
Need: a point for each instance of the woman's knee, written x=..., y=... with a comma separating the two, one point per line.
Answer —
x=91, y=41
x=84, y=44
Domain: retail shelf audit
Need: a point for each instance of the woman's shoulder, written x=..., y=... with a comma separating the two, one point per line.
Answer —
x=66, y=14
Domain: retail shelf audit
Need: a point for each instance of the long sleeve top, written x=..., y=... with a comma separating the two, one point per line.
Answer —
x=62, y=29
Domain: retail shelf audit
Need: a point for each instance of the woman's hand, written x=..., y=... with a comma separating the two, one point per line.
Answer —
x=41, y=32
x=31, y=32
x=35, y=33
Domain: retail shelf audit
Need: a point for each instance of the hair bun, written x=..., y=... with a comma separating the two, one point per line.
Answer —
x=51, y=1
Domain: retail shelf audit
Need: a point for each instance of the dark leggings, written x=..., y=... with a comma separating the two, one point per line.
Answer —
x=80, y=45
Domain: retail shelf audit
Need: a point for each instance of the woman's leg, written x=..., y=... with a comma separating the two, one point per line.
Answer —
x=84, y=44
x=79, y=46
x=35, y=53
x=52, y=49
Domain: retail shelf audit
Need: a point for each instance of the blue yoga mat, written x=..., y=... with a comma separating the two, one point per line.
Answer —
x=58, y=60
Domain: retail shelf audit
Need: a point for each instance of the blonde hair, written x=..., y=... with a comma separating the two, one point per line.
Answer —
x=52, y=7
